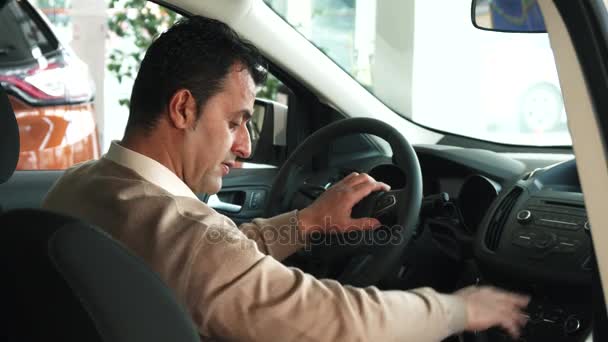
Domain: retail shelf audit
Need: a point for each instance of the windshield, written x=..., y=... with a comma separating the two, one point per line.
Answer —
x=426, y=61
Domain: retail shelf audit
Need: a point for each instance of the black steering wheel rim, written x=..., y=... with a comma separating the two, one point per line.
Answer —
x=385, y=258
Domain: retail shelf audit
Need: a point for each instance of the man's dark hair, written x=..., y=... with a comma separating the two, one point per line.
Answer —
x=195, y=54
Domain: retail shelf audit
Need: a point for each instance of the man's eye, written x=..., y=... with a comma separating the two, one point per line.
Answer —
x=234, y=125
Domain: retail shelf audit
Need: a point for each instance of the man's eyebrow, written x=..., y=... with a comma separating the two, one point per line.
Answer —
x=245, y=113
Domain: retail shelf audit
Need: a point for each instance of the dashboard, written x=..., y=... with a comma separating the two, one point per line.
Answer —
x=535, y=238
x=524, y=223
x=538, y=228
x=529, y=233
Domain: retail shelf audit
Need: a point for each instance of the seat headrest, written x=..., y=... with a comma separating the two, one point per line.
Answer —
x=9, y=138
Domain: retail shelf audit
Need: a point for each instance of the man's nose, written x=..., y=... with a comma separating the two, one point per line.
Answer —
x=242, y=143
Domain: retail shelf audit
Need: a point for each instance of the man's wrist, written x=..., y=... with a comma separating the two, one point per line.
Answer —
x=304, y=220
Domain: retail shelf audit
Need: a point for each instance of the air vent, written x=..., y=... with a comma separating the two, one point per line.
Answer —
x=497, y=223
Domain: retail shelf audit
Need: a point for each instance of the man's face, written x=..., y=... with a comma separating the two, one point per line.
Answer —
x=220, y=135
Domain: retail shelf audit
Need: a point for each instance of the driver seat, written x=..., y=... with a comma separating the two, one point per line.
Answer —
x=65, y=280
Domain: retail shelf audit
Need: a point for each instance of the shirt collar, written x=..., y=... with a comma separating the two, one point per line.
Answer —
x=151, y=170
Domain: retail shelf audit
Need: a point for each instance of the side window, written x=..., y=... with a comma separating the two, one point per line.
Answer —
x=269, y=119
x=50, y=90
x=70, y=82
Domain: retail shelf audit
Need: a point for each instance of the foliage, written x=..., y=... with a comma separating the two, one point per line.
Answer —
x=269, y=89
x=137, y=22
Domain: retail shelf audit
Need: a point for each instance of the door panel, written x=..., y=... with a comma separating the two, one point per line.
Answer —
x=243, y=195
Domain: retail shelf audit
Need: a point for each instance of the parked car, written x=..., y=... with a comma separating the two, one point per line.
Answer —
x=50, y=90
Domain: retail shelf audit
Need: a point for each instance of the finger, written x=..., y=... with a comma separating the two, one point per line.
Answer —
x=512, y=329
x=504, y=319
x=507, y=296
x=349, y=178
x=385, y=187
x=510, y=311
x=361, y=178
x=520, y=301
x=522, y=320
x=364, y=189
x=366, y=223
x=364, y=178
x=513, y=320
x=518, y=316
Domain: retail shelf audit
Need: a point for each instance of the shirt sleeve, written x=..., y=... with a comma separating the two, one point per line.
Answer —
x=235, y=292
x=278, y=236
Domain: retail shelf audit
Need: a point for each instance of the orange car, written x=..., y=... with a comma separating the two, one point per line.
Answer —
x=49, y=89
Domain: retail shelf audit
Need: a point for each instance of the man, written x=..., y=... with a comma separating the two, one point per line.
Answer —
x=192, y=97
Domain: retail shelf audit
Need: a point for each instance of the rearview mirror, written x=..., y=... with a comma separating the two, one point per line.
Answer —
x=523, y=16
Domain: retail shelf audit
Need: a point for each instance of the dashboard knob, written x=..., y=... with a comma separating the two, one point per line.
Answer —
x=545, y=240
x=524, y=216
x=572, y=324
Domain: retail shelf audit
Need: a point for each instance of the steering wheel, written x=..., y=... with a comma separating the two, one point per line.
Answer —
x=373, y=254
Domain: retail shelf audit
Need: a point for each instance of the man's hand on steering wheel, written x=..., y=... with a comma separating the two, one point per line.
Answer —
x=370, y=254
x=331, y=212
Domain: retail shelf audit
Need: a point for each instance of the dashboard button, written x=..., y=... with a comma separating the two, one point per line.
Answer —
x=587, y=264
x=523, y=240
x=524, y=216
x=572, y=325
x=568, y=247
x=556, y=315
x=543, y=241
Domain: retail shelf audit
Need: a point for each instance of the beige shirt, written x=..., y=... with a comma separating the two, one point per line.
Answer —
x=230, y=278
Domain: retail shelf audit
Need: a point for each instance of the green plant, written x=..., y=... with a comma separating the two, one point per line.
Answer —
x=269, y=89
x=138, y=22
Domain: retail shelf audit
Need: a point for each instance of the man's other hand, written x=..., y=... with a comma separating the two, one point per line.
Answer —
x=488, y=307
x=332, y=210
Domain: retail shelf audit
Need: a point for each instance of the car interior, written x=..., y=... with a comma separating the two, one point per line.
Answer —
x=461, y=211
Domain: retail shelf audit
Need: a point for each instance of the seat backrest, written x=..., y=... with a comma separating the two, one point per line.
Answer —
x=9, y=138
x=67, y=281
x=64, y=280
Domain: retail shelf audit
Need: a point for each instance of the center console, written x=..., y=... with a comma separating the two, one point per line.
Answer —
x=535, y=239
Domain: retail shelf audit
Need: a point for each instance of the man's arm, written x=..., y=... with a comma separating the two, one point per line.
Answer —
x=279, y=236
x=234, y=292
x=257, y=298
x=237, y=293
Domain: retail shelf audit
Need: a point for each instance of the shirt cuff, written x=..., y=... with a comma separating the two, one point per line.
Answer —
x=281, y=234
x=456, y=312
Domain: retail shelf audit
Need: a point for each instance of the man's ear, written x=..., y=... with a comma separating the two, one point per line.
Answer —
x=182, y=109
